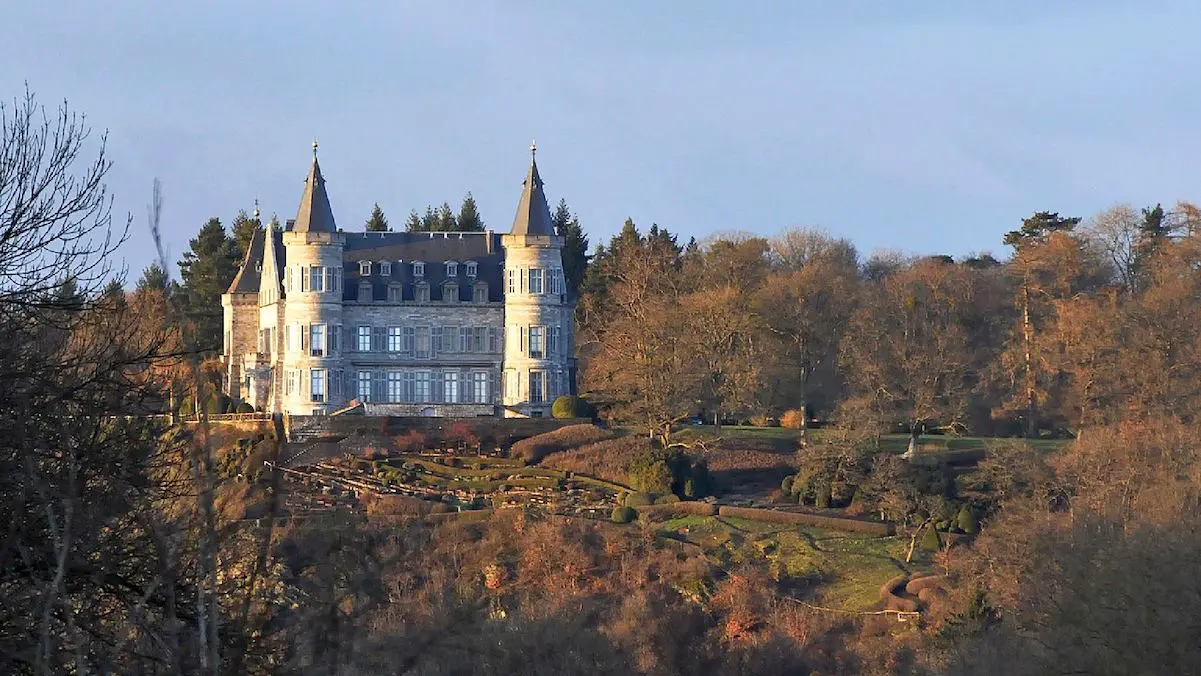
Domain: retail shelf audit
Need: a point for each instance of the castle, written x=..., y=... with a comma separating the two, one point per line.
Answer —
x=406, y=323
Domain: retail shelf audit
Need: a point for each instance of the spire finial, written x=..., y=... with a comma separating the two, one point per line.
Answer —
x=314, y=148
x=257, y=213
x=533, y=149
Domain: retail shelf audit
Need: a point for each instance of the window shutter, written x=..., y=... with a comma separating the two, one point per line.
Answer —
x=435, y=341
x=436, y=389
x=493, y=339
x=304, y=335
x=523, y=340
x=350, y=342
x=379, y=386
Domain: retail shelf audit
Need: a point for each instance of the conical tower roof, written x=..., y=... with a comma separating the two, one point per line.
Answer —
x=533, y=213
x=315, y=214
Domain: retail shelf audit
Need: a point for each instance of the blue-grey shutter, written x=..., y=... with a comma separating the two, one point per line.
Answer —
x=379, y=386
x=436, y=385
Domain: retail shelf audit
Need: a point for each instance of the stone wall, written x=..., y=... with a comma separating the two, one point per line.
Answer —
x=240, y=311
x=359, y=431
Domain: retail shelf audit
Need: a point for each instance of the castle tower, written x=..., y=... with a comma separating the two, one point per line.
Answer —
x=313, y=380
x=538, y=316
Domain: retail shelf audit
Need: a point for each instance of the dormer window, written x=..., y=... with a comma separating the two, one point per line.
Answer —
x=450, y=292
x=421, y=293
x=418, y=269
x=480, y=292
x=472, y=269
x=452, y=269
x=385, y=268
x=365, y=268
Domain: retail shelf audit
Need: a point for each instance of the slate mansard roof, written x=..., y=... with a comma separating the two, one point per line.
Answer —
x=401, y=249
x=434, y=249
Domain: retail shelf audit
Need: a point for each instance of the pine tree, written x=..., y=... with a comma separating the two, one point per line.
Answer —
x=378, y=222
x=414, y=223
x=575, y=246
x=153, y=277
x=207, y=270
x=447, y=221
x=469, y=216
x=243, y=228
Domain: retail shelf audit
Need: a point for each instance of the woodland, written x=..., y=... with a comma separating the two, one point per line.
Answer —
x=129, y=547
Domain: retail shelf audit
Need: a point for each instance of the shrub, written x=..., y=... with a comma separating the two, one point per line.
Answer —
x=671, y=471
x=793, y=419
x=537, y=447
x=930, y=540
x=638, y=499
x=786, y=485
x=652, y=472
x=764, y=421
x=623, y=515
x=669, y=499
x=245, y=407
x=821, y=496
x=410, y=442
x=461, y=434
x=571, y=406
x=609, y=460
x=966, y=520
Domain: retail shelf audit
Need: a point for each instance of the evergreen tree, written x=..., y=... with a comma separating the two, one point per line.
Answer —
x=114, y=291
x=1039, y=227
x=414, y=223
x=469, y=216
x=378, y=222
x=153, y=277
x=243, y=228
x=575, y=246
x=447, y=221
x=207, y=269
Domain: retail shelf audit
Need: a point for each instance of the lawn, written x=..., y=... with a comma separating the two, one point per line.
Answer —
x=831, y=568
x=732, y=435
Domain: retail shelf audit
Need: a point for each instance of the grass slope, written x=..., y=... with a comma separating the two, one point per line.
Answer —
x=835, y=569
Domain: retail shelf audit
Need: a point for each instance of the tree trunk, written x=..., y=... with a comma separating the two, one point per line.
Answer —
x=913, y=540
x=1028, y=340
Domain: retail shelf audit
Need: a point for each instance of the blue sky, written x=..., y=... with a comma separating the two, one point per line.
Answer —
x=925, y=126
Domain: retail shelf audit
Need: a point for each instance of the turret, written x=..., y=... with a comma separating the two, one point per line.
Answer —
x=313, y=378
x=538, y=317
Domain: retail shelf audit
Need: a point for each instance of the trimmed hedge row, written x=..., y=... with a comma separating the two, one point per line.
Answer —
x=891, y=600
x=683, y=507
x=817, y=520
x=917, y=584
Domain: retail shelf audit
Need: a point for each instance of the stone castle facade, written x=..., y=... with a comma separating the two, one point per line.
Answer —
x=430, y=324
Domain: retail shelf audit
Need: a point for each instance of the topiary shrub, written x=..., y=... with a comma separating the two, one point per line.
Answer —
x=669, y=499
x=571, y=406
x=821, y=496
x=638, y=499
x=931, y=542
x=623, y=515
x=786, y=485
x=245, y=407
x=967, y=522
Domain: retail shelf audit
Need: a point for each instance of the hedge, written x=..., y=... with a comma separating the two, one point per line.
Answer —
x=638, y=499
x=917, y=584
x=682, y=507
x=623, y=514
x=817, y=520
x=537, y=447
